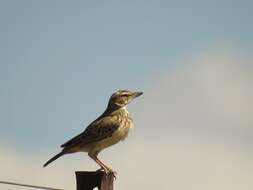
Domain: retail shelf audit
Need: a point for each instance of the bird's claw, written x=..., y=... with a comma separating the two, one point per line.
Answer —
x=111, y=172
x=108, y=171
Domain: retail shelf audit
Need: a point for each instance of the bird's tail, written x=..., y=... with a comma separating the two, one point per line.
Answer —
x=54, y=158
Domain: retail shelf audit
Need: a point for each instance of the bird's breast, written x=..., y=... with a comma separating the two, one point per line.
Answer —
x=121, y=133
x=124, y=128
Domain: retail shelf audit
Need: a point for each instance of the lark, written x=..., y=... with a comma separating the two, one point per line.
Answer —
x=108, y=129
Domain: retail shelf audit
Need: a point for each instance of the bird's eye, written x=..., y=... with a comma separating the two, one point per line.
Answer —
x=124, y=95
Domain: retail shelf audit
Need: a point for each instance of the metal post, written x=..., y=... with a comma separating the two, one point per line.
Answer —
x=86, y=180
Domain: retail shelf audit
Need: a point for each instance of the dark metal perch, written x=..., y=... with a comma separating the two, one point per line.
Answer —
x=90, y=180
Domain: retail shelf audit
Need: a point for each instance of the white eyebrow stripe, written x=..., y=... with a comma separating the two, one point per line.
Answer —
x=125, y=93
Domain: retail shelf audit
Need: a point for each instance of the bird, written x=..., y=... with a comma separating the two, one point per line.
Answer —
x=109, y=128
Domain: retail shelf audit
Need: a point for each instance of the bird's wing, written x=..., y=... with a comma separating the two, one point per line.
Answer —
x=96, y=131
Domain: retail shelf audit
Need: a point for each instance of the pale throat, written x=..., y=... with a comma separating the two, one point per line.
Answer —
x=124, y=108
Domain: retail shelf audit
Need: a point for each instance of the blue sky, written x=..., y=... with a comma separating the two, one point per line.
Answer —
x=61, y=60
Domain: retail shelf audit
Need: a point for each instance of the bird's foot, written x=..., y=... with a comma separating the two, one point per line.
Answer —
x=108, y=171
x=111, y=172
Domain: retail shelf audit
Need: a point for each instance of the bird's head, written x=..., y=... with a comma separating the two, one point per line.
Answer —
x=121, y=98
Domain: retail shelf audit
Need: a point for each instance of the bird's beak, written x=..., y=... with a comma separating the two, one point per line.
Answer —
x=137, y=94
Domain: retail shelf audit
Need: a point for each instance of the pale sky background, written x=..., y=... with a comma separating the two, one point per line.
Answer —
x=61, y=60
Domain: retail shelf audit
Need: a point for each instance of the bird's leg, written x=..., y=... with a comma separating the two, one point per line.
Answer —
x=103, y=166
x=109, y=170
x=100, y=164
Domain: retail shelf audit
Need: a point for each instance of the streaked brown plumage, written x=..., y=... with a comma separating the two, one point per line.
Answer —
x=108, y=129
